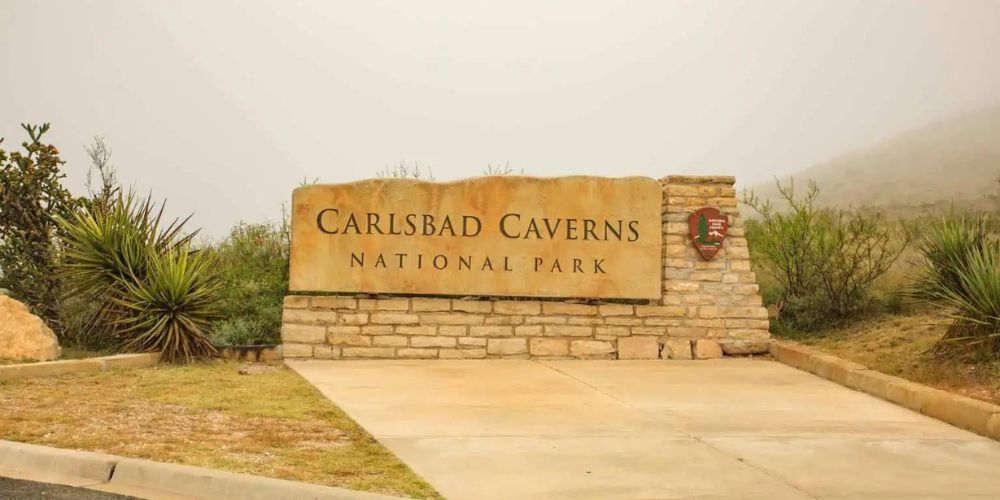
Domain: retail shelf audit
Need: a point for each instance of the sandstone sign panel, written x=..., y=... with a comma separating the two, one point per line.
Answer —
x=505, y=236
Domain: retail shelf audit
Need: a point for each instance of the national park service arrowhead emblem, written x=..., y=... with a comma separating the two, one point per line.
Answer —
x=708, y=229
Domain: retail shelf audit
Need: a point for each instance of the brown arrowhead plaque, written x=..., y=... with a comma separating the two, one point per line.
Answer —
x=708, y=229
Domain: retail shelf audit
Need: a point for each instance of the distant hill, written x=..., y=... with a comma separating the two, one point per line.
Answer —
x=953, y=161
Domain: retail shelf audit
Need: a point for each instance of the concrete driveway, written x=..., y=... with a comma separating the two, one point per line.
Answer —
x=730, y=428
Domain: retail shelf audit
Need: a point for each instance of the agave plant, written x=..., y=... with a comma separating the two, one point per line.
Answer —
x=152, y=291
x=962, y=273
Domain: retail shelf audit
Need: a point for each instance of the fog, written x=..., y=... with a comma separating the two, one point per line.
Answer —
x=224, y=107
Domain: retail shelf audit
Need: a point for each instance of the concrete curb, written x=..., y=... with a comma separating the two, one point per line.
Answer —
x=88, y=365
x=159, y=480
x=971, y=414
x=72, y=467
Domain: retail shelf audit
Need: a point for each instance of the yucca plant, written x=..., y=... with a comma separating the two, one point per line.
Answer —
x=962, y=273
x=151, y=291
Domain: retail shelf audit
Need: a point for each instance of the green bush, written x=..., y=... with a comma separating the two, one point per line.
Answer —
x=253, y=265
x=149, y=290
x=31, y=198
x=823, y=260
x=961, y=271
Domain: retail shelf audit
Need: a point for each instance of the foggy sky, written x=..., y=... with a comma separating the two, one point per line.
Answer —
x=224, y=107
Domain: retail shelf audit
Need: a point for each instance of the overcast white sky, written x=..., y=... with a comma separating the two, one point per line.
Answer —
x=224, y=106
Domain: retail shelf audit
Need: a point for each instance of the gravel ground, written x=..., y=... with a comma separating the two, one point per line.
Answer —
x=16, y=488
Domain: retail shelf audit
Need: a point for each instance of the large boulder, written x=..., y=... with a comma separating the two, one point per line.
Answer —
x=24, y=335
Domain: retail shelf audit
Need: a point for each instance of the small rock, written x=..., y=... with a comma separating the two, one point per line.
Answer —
x=256, y=369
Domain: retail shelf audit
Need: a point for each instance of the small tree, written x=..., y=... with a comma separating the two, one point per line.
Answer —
x=103, y=190
x=31, y=198
x=825, y=260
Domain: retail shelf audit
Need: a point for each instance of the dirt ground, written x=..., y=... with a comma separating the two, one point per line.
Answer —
x=898, y=344
x=269, y=422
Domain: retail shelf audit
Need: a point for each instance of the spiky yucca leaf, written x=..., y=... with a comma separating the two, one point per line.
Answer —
x=172, y=309
x=962, y=273
x=123, y=257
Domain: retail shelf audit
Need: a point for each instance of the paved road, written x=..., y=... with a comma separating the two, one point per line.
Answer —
x=20, y=489
x=652, y=429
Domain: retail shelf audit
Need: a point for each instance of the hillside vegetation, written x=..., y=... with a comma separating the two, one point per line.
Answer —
x=955, y=160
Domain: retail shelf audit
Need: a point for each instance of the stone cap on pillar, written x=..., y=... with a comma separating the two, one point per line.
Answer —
x=699, y=179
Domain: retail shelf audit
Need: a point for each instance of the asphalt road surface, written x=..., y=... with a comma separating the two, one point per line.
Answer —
x=16, y=488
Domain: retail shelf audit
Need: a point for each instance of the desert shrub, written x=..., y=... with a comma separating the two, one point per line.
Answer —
x=253, y=266
x=31, y=198
x=822, y=260
x=149, y=289
x=961, y=271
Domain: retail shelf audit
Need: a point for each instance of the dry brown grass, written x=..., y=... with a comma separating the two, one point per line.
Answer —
x=271, y=424
x=898, y=344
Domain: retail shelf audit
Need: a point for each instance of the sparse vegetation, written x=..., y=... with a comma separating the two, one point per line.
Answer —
x=403, y=171
x=253, y=264
x=822, y=260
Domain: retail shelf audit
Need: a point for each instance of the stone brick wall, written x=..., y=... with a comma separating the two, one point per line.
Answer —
x=707, y=309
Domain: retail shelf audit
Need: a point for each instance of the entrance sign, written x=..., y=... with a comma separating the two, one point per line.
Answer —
x=507, y=236
x=708, y=229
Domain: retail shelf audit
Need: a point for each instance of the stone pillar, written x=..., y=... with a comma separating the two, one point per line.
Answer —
x=720, y=297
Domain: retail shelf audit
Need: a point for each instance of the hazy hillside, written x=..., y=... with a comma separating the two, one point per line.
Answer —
x=953, y=160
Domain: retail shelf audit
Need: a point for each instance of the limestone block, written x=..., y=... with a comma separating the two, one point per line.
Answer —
x=568, y=331
x=707, y=349
x=676, y=349
x=390, y=341
x=333, y=303
x=417, y=353
x=416, y=330
x=297, y=350
x=462, y=353
x=528, y=331
x=430, y=305
x=326, y=352
x=548, y=347
x=638, y=348
x=517, y=307
x=590, y=347
x=368, y=352
x=393, y=318
x=507, y=346
x=377, y=330
x=569, y=309
x=397, y=304
x=421, y=341
x=352, y=318
x=306, y=334
x=471, y=341
x=491, y=331
x=24, y=335
x=296, y=302
x=615, y=310
x=307, y=317
x=744, y=347
x=472, y=306
x=451, y=319
x=348, y=339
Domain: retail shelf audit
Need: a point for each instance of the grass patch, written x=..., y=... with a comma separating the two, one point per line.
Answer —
x=271, y=424
x=899, y=344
